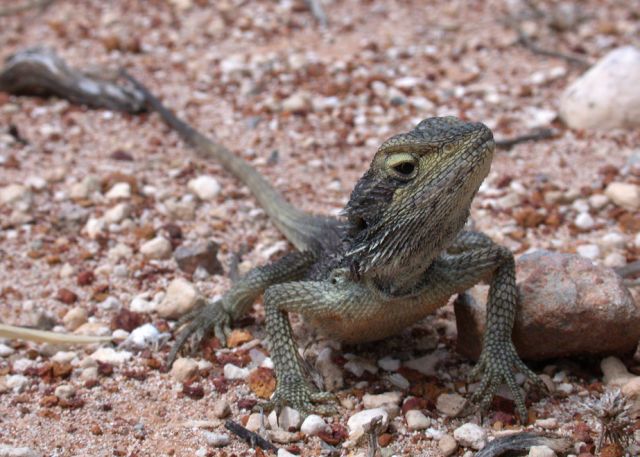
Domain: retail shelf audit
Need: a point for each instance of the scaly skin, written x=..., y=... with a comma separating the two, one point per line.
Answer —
x=399, y=253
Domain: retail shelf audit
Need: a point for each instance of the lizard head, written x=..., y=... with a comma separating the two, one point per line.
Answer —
x=415, y=196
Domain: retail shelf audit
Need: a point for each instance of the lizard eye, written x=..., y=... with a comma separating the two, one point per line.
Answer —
x=403, y=166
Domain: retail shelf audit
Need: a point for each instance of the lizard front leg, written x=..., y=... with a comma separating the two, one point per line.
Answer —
x=218, y=315
x=472, y=258
x=318, y=301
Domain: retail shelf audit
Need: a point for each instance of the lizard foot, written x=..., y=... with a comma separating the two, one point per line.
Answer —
x=496, y=365
x=297, y=394
x=211, y=316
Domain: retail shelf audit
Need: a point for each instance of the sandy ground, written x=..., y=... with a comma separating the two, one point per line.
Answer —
x=229, y=67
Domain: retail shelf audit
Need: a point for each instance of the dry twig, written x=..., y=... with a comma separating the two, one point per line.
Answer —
x=250, y=437
x=542, y=134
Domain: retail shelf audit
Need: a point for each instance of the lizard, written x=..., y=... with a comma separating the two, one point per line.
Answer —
x=398, y=252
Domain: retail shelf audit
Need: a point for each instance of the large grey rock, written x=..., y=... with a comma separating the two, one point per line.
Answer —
x=608, y=95
x=568, y=306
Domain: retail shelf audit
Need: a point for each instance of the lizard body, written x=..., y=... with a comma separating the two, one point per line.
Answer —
x=399, y=252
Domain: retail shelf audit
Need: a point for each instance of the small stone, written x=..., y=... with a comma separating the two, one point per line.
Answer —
x=217, y=439
x=64, y=356
x=615, y=372
x=16, y=382
x=254, y=422
x=111, y=356
x=541, y=451
x=119, y=251
x=65, y=391
x=359, y=420
x=584, y=221
x=450, y=404
x=615, y=259
x=389, y=364
x=598, y=201
x=221, y=408
x=613, y=240
x=425, y=364
x=158, y=248
x=74, y=318
x=284, y=453
x=589, y=251
x=379, y=401
x=358, y=365
x=313, y=425
x=84, y=188
x=205, y=187
x=89, y=374
x=205, y=255
x=298, y=103
x=416, y=420
x=289, y=419
x=16, y=195
x=10, y=451
x=119, y=190
x=140, y=304
x=147, y=335
x=66, y=296
x=117, y=214
x=284, y=437
x=447, y=445
x=94, y=227
x=550, y=423
x=235, y=372
x=183, y=369
x=6, y=351
x=399, y=381
x=92, y=329
x=180, y=298
x=471, y=435
x=624, y=194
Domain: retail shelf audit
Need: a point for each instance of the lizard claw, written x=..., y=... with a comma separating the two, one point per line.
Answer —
x=198, y=323
x=496, y=365
x=297, y=394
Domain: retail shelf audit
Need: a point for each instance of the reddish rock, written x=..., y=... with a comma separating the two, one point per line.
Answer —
x=204, y=255
x=568, y=306
x=66, y=296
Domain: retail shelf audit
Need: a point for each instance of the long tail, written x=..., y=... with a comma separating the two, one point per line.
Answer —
x=305, y=231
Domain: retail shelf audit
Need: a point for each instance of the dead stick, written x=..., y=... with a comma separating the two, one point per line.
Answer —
x=542, y=134
x=250, y=437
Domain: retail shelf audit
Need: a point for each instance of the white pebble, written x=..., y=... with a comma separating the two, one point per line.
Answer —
x=110, y=355
x=584, y=221
x=145, y=335
x=205, y=187
x=140, y=304
x=65, y=391
x=314, y=425
x=6, y=351
x=119, y=251
x=359, y=420
x=235, y=372
x=598, y=201
x=399, y=381
x=64, y=356
x=447, y=445
x=541, y=451
x=75, y=317
x=183, y=368
x=389, y=364
x=180, y=298
x=157, y=248
x=119, y=190
x=471, y=435
x=624, y=194
x=549, y=423
x=217, y=439
x=17, y=382
x=615, y=259
x=590, y=251
x=95, y=227
x=379, y=401
x=613, y=240
x=416, y=420
x=117, y=214
x=254, y=422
